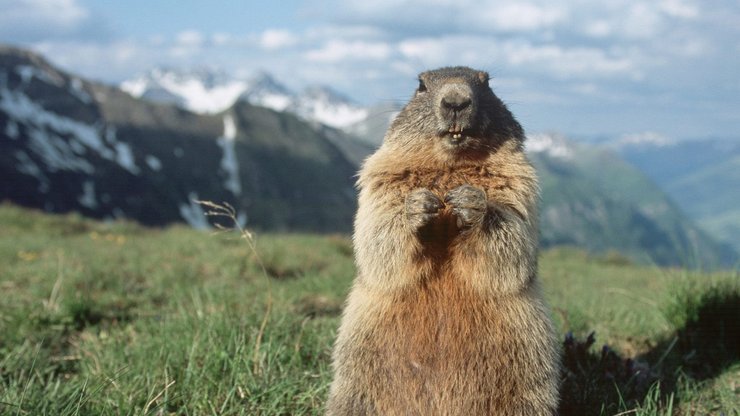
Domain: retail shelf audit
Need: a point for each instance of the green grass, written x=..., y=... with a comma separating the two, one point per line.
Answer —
x=117, y=319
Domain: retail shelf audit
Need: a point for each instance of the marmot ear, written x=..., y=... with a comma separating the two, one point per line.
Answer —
x=422, y=86
x=483, y=77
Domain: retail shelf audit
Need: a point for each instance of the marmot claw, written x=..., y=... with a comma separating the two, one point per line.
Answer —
x=469, y=204
x=422, y=206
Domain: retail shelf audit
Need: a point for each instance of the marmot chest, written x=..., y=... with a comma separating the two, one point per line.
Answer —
x=438, y=325
x=441, y=181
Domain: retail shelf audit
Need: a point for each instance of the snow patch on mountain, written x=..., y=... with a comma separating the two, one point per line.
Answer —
x=28, y=72
x=328, y=107
x=87, y=199
x=23, y=109
x=263, y=90
x=204, y=91
x=153, y=163
x=11, y=130
x=192, y=212
x=27, y=166
x=276, y=102
x=551, y=144
x=200, y=91
x=59, y=140
x=77, y=89
x=125, y=157
x=55, y=151
x=229, y=162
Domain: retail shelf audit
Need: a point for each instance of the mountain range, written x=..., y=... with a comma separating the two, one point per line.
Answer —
x=207, y=91
x=67, y=144
x=149, y=149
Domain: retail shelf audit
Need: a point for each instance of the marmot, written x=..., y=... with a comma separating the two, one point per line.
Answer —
x=445, y=316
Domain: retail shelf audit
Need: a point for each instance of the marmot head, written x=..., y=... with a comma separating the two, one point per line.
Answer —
x=454, y=113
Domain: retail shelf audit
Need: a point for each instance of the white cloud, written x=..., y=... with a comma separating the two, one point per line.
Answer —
x=569, y=62
x=424, y=50
x=187, y=43
x=57, y=13
x=157, y=40
x=598, y=28
x=679, y=8
x=516, y=55
x=340, y=50
x=633, y=20
x=189, y=38
x=29, y=20
x=476, y=51
x=519, y=16
x=587, y=88
x=346, y=32
x=221, y=38
x=425, y=15
x=122, y=58
x=643, y=21
x=272, y=39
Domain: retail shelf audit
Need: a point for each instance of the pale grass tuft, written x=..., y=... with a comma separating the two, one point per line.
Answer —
x=52, y=304
x=226, y=210
x=155, y=398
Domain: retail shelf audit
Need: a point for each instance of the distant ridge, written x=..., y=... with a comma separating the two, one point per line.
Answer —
x=592, y=198
x=702, y=176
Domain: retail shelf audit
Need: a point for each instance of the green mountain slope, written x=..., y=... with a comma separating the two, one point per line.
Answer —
x=592, y=198
x=702, y=176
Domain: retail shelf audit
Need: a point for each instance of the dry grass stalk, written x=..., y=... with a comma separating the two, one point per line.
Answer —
x=226, y=210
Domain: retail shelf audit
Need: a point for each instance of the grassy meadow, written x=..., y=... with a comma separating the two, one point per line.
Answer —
x=118, y=319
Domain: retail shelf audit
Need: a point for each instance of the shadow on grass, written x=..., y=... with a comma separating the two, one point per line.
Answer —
x=601, y=382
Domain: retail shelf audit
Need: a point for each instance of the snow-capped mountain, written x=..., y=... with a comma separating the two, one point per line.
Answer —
x=553, y=145
x=200, y=90
x=264, y=90
x=326, y=106
x=67, y=144
x=373, y=127
x=206, y=91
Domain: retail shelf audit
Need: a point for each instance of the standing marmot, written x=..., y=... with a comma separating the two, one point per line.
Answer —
x=445, y=316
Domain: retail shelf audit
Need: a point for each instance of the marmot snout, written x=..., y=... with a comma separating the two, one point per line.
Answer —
x=445, y=316
x=456, y=110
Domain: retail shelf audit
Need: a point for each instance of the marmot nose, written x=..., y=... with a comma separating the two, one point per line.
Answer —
x=455, y=101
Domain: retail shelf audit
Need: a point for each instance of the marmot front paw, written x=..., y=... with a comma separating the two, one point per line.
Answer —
x=469, y=204
x=422, y=206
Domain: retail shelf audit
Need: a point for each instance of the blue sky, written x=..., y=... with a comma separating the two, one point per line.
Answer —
x=579, y=67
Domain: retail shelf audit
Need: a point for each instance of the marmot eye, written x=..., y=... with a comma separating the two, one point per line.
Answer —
x=422, y=86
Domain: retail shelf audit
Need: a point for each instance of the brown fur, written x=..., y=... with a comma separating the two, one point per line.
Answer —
x=446, y=320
